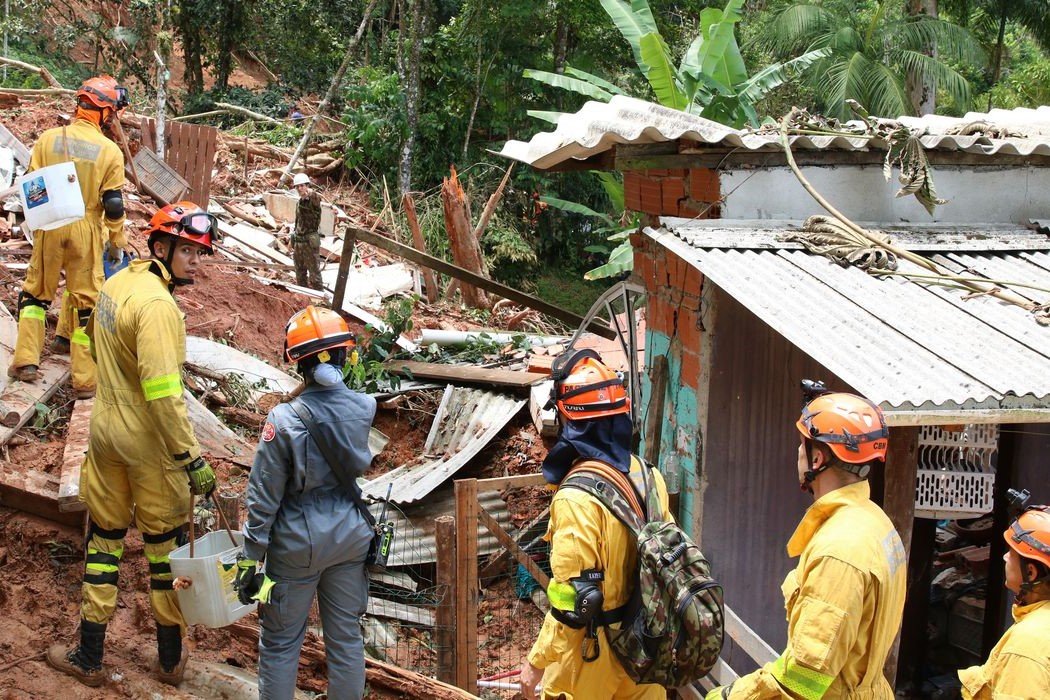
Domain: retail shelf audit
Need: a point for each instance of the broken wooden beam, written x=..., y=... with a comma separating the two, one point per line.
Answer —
x=430, y=279
x=413, y=255
x=514, y=548
x=19, y=400
x=77, y=435
x=33, y=492
x=463, y=374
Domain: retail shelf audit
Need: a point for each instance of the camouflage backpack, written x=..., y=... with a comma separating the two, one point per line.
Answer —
x=672, y=626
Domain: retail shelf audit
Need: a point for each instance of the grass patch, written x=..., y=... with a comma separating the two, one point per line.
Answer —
x=568, y=289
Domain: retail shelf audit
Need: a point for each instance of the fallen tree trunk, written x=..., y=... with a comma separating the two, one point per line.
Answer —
x=39, y=70
x=237, y=109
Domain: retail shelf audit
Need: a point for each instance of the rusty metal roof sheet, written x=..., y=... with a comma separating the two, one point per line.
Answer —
x=466, y=420
x=908, y=347
x=599, y=126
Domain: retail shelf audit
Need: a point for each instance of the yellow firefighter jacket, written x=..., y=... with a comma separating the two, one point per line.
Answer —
x=844, y=603
x=585, y=535
x=100, y=168
x=1019, y=666
x=139, y=337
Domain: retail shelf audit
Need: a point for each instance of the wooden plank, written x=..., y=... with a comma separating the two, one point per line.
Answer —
x=900, y=473
x=148, y=130
x=545, y=419
x=464, y=374
x=345, y=257
x=752, y=644
x=158, y=179
x=444, y=635
x=242, y=236
x=528, y=537
x=519, y=554
x=210, y=136
x=466, y=588
x=22, y=154
x=19, y=400
x=213, y=435
x=654, y=420
x=73, y=456
x=429, y=261
x=413, y=615
x=517, y=481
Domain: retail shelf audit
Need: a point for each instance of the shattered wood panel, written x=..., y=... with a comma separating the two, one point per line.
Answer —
x=73, y=456
x=465, y=373
x=157, y=178
x=414, y=541
x=254, y=240
x=19, y=400
x=213, y=435
x=466, y=421
x=189, y=151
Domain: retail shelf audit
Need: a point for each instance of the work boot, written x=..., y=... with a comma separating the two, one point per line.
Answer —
x=25, y=373
x=84, y=661
x=60, y=345
x=171, y=655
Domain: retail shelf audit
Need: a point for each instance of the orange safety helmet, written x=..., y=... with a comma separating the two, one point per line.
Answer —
x=850, y=425
x=104, y=93
x=313, y=330
x=187, y=221
x=1029, y=535
x=585, y=387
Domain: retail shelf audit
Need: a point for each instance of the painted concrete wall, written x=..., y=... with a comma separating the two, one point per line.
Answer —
x=975, y=194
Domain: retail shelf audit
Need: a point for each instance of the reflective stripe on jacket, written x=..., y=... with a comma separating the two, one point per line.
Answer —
x=844, y=603
x=299, y=517
x=1019, y=665
x=99, y=164
x=139, y=338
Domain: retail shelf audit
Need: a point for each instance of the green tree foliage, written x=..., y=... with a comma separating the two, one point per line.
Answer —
x=873, y=44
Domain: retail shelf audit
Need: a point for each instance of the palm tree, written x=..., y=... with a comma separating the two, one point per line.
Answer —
x=1033, y=15
x=873, y=46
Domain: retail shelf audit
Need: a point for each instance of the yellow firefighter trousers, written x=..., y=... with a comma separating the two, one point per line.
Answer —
x=77, y=249
x=124, y=472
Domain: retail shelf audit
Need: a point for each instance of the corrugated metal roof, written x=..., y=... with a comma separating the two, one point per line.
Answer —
x=414, y=542
x=598, y=126
x=466, y=421
x=906, y=346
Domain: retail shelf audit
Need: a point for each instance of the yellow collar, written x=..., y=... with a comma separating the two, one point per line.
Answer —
x=822, y=509
x=1021, y=611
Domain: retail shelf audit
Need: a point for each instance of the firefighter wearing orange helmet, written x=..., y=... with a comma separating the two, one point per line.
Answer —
x=76, y=248
x=143, y=460
x=305, y=516
x=594, y=415
x=1019, y=665
x=845, y=598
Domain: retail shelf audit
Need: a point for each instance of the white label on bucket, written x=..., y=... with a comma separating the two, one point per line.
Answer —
x=227, y=574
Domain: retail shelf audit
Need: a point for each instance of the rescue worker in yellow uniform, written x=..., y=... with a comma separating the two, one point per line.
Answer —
x=594, y=414
x=845, y=598
x=143, y=459
x=76, y=248
x=1019, y=665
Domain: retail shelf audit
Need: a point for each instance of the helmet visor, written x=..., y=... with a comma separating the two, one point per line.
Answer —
x=123, y=97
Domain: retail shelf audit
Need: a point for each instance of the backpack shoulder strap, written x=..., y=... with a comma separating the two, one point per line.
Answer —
x=345, y=480
x=612, y=488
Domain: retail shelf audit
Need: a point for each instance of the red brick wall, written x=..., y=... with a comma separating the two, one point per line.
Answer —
x=673, y=307
x=693, y=193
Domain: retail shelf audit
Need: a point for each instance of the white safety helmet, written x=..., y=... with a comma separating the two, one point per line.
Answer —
x=301, y=179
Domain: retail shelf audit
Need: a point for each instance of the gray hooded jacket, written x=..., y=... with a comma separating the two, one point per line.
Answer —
x=299, y=517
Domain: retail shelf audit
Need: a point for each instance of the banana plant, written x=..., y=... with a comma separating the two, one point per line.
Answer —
x=711, y=80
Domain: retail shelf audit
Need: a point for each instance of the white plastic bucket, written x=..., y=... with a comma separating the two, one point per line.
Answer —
x=211, y=600
x=51, y=197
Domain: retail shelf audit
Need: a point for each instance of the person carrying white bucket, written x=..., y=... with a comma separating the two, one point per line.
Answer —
x=75, y=247
x=143, y=459
x=305, y=515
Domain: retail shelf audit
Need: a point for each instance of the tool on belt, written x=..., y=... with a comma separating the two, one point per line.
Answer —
x=384, y=532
